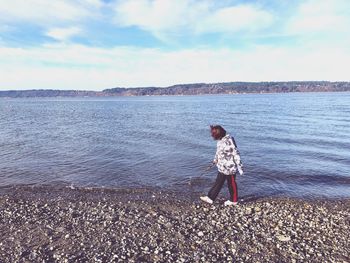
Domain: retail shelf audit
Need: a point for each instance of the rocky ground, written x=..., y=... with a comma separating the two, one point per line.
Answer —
x=45, y=224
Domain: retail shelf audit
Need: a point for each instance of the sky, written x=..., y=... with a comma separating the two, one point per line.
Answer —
x=99, y=44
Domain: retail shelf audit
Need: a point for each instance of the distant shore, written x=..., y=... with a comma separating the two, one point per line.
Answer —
x=143, y=225
x=191, y=89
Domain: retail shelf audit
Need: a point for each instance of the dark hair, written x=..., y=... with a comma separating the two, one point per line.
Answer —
x=222, y=131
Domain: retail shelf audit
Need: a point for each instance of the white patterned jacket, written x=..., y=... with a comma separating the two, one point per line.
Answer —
x=227, y=158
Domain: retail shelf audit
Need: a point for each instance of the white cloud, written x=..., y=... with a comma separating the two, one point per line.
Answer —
x=45, y=12
x=235, y=18
x=68, y=66
x=64, y=34
x=321, y=17
x=161, y=17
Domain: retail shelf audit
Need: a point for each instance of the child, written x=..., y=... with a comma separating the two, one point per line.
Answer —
x=228, y=162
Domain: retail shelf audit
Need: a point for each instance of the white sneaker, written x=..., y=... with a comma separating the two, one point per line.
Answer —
x=229, y=203
x=206, y=199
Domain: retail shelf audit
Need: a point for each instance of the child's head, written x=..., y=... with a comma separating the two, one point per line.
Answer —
x=217, y=132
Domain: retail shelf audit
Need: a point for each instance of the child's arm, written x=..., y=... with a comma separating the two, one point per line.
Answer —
x=238, y=162
x=236, y=156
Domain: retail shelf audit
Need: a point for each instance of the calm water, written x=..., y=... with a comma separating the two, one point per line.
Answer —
x=291, y=144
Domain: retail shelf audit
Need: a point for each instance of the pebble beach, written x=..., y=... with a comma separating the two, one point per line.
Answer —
x=66, y=224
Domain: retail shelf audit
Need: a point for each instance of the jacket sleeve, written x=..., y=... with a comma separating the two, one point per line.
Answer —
x=236, y=158
x=215, y=160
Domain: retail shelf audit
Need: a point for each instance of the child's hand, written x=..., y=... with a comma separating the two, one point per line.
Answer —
x=210, y=166
x=240, y=170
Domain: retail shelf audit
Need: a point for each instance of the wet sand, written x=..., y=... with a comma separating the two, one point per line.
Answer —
x=60, y=224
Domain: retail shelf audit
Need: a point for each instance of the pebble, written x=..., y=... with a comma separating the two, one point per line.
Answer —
x=283, y=238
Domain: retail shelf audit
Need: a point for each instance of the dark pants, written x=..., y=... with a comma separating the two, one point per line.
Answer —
x=231, y=183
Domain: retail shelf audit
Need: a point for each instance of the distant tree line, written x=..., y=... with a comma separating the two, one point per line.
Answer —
x=191, y=89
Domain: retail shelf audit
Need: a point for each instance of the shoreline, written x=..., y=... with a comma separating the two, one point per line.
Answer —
x=173, y=95
x=64, y=190
x=63, y=224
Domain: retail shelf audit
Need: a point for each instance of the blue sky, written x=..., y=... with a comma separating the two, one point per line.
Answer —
x=98, y=44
